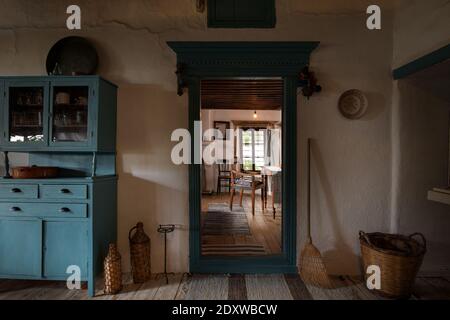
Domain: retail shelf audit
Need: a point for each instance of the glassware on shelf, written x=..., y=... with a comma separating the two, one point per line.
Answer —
x=20, y=100
x=81, y=101
x=38, y=99
x=62, y=98
x=28, y=99
x=25, y=114
x=70, y=120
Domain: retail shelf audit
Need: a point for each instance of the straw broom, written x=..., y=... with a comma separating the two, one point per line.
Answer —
x=312, y=268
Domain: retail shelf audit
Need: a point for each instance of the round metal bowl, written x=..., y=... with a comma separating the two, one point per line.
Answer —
x=72, y=56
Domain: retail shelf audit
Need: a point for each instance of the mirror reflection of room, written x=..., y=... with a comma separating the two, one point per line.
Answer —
x=241, y=189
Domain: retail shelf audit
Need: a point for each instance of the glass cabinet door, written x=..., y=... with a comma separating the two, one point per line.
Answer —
x=26, y=113
x=70, y=114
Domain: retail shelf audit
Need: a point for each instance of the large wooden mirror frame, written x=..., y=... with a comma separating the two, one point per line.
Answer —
x=206, y=60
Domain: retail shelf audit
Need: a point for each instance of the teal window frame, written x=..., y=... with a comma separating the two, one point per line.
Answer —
x=267, y=20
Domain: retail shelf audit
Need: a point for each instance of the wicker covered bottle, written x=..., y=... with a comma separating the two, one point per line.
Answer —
x=139, y=254
x=113, y=270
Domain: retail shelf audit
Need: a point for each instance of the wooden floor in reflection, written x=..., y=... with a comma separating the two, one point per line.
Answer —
x=264, y=229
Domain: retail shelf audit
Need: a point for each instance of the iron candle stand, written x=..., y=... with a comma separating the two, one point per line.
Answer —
x=165, y=229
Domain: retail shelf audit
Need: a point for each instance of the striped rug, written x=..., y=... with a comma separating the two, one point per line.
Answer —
x=219, y=220
x=233, y=250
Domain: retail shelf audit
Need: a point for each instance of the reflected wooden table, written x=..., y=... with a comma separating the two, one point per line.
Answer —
x=266, y=172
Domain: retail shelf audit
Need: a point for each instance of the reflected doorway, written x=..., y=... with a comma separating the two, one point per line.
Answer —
x=241, y=201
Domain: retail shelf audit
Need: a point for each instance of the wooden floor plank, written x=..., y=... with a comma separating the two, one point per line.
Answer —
x=344, y=293
x=129, y=288
x=297, y=288
x=267, y=287
x=148, y=290
x=59, y=292
x=432, y=288
x=21, y=289
x=237, y=289
x=168, y=291
x=317, y=293
x=359, y=288
x=208, y=287
x=184, y=287
x=340, y=291
x=53, y=291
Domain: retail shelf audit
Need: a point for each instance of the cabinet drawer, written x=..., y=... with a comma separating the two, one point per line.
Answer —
x=18, y=191
x=63, y=191
x=43, y=210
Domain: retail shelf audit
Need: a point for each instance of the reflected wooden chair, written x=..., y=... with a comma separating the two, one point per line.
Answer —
x=244, y=180
x=223, y=174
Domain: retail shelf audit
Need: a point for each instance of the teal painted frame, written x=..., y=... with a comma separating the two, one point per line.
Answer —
x=2, y=97
x=422, y=63
x=200, y=60
x=269, y=21
x=26, y=83
x=92, y=105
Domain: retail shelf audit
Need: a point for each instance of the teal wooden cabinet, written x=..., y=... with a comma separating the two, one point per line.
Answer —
x=20, y=247
x=17, y=191
x=40, y=237
x=33, y=249
x=49, y=225
x=58, y=113
x=59, y=255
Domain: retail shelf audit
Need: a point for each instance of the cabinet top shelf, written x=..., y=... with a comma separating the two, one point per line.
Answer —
x=70, y=105
x=59, y=180
x=39, y=106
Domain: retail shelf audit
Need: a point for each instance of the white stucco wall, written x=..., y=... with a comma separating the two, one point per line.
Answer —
x=420, y=124
x=420, y=27
x=352, y=159
x=421, y=121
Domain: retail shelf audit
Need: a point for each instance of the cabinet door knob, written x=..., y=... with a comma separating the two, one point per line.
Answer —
x=15, y=190
x=64, y=210
x=15, y=209
x=65, y=190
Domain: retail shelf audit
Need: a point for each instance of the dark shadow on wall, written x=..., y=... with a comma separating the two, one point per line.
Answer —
x=151, y=188
x=140, y=200
x=342, y=253
x=376, y=105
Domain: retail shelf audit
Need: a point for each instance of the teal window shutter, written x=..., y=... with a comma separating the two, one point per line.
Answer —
x=241, y=14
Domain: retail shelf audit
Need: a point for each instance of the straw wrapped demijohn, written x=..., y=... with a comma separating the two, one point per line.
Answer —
x=139, y=254
x=113, y=270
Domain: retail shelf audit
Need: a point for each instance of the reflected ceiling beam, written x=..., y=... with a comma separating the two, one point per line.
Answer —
x=242, y=94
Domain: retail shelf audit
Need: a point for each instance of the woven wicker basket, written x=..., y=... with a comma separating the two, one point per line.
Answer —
x=139, y=254
x=399, y=258
x=113, y=271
